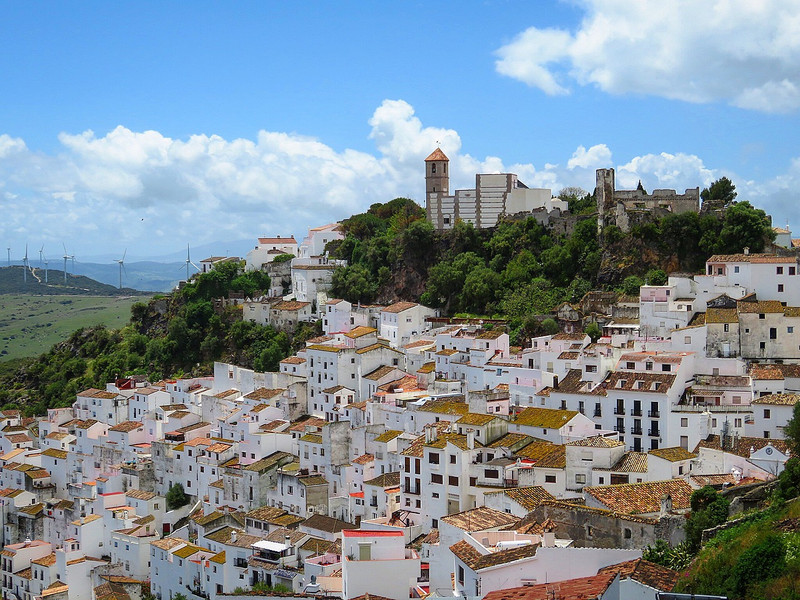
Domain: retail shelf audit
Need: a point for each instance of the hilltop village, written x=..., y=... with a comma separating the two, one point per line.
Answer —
x=405, y=454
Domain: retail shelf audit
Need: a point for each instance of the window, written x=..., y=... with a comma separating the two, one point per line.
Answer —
x=762, y=345
x=792, y=270
x=762, y=316
x=766, y=413
x=790, y=330
x=779, y=270
x=737, y=422
x=433, y=458
x=452, y=480
x=630, y=365
x=648, y=366
x=591, y=368
x=492, y=473
x=687, y=339
x=780, y=287
x=735, y=269
x=666, y=368
x=726, y=328
x=773, y=333
x=436, y=478
x=580, y=478
x=460, y=575
x=452, y=459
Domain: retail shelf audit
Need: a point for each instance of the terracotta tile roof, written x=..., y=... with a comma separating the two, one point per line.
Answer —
x=714, y=480
x=741, y=445
x=778, y=399
x=377, y=346
x=379, y=373
x=419, y=344
x=325, y=348
x=327, y=524
x=491, y=334
x=527, y=497
x=536, y=449
x=762, y=306
x=722, y=315
x=766, y=372
x=477, y=419
x=546, y=418
x=127, y=426
x=290, y=305
x=86, y=424
x=480, y=518
x=140, y=494
x=751, y=258
x=224, y=536
x=673, y=454
x=458, y=440
x=268, y=461
x=437, y=155
x=428, y=367
x=399, y=307
x=569, y=355
x=385, y=480
x=310, y=480
x=646, y=572
x=597, y=441
x=476, y=561
x=639, y=382
x=360, y=331
x=583, y=588
x=446, y=406
x=95, y=393
x=263, y=393
x=641, y=498
x=514, y=441
x=364, y=459
x=46, y=561
x=293, y=360
x=312, y=438
x=167, y=543
x=556, y=459
x=631, y=462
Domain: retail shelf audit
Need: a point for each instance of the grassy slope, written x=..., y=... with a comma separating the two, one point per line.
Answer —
x=30, y=325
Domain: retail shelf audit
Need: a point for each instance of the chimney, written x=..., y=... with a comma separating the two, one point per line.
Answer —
x=470, y=438
x=549, y=539
x=747, y=250
x=234, y=536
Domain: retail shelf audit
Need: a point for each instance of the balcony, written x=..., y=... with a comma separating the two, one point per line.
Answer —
x=636, y=412
x=636, y=430
x=619, y=428
x=619, y=410
x=654, y=414
x=654, y=432
x=413, y=490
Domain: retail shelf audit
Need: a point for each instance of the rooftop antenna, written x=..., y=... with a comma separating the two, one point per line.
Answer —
x=121, y=263
x=189, y=262
x=25, y=266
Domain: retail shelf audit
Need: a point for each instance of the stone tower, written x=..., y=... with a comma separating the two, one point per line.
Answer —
x=437, y=179
x=604, y=194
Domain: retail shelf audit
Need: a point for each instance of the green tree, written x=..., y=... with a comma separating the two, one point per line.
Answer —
x=656, y=277
x=593, y=331
x=709, y=509
x=631, y=285
x=176, y=497
x=550, y=327
x=744, y=227
x=719, y=194
x=792, y=431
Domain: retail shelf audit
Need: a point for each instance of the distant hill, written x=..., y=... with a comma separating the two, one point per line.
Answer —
x=12, y=282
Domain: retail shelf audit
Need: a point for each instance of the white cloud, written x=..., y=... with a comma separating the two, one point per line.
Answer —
x=146, y=191
x=595, y=157
x=737, y=51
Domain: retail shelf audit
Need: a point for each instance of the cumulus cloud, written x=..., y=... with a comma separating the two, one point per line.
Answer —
x=153, y=193
x=737, y=51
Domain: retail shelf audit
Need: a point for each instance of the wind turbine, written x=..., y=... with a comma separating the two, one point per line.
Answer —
x=189, y=262
x=41, y=253
x=9, y=256
x=45, y=267
x=121, y=262
x=66, y=257
x=25, y=266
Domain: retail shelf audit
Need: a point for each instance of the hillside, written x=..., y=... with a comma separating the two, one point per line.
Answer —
x=518, y=270
x=30, y=325
x=12, y=282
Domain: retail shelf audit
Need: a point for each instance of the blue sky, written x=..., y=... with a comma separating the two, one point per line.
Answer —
x=150, y=125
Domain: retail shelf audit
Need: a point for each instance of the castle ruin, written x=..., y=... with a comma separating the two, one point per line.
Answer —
x=625, y=208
